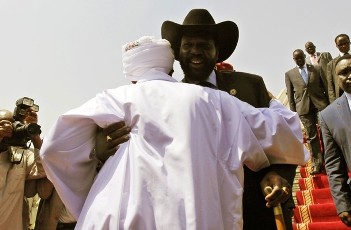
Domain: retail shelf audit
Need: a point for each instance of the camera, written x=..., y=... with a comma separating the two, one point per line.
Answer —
x=22, y=105
x=22, y=133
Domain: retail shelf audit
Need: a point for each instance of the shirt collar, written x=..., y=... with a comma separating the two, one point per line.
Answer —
x=155, y=75
x=212, y=78
x=342, y=54
x=348, y=96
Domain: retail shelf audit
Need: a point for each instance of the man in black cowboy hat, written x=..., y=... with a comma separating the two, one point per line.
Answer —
x=199, y=43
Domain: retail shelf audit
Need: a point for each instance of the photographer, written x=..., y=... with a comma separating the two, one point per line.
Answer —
x=18, y=164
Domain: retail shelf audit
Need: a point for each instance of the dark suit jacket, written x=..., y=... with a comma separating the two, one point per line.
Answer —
x=323, y=60
x=251, y=89
x=247, y=87
x=335, y=123
x=332, y=80
x=301, y=95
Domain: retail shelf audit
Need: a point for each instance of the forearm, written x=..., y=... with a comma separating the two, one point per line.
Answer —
x=37, y=141
x=34, y=166
x=337, y=171
x=279, y=132
x=67, y=152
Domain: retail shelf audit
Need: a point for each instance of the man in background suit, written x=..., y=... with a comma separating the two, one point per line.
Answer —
x=342, y=42
x=335, y=123
x=307, y=96
x=317, y=58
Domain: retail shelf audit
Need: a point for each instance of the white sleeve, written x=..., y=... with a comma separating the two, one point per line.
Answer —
x=278, y=130
x=66, y=150
x=246, y=147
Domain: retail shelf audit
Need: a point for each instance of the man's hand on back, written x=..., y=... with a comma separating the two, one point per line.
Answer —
x=109, y=139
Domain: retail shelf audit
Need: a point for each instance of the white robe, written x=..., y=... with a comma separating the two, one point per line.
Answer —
x=183, y=165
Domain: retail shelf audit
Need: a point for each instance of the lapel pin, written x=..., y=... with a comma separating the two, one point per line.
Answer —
x=233, y=92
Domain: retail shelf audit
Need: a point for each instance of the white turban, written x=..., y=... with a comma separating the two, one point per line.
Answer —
x=145, y=54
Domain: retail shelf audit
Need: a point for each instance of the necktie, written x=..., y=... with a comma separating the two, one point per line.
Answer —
x=207, y=84
x=304, y=75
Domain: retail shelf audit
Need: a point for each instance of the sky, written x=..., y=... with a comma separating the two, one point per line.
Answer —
x=61, y=53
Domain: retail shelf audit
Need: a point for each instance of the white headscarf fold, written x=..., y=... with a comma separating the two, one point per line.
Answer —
x=145, y=54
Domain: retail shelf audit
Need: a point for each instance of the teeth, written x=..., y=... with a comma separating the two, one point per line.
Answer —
x=196, y=60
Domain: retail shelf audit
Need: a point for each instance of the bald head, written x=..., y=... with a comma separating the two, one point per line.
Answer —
x=6, y=115
x=299, y=57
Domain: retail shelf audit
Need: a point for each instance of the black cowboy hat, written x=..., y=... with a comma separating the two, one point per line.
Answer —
x=226, y=34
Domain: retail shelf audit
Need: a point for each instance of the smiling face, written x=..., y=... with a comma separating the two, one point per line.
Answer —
x=310, y=48
x=343, y=44
x=343, y=71
x=197, y=56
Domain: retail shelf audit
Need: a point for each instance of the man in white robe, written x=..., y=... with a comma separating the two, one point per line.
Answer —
x=183, y=165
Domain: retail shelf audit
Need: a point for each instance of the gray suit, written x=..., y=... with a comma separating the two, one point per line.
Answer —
x=307, y=100
x=323, y=60
x=335, y=123
x=304, y=97
x=332, y=81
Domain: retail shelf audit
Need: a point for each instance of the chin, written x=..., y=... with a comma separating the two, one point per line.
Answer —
x=197, y=76
x=200, y=74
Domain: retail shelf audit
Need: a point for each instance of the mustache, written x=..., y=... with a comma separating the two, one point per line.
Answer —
x=191, y=56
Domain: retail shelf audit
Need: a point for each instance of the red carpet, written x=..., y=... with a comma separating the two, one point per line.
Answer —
x=315, y=213
x=315, y=196
x=314, y=182
x=335, y=225
x=315, y=209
